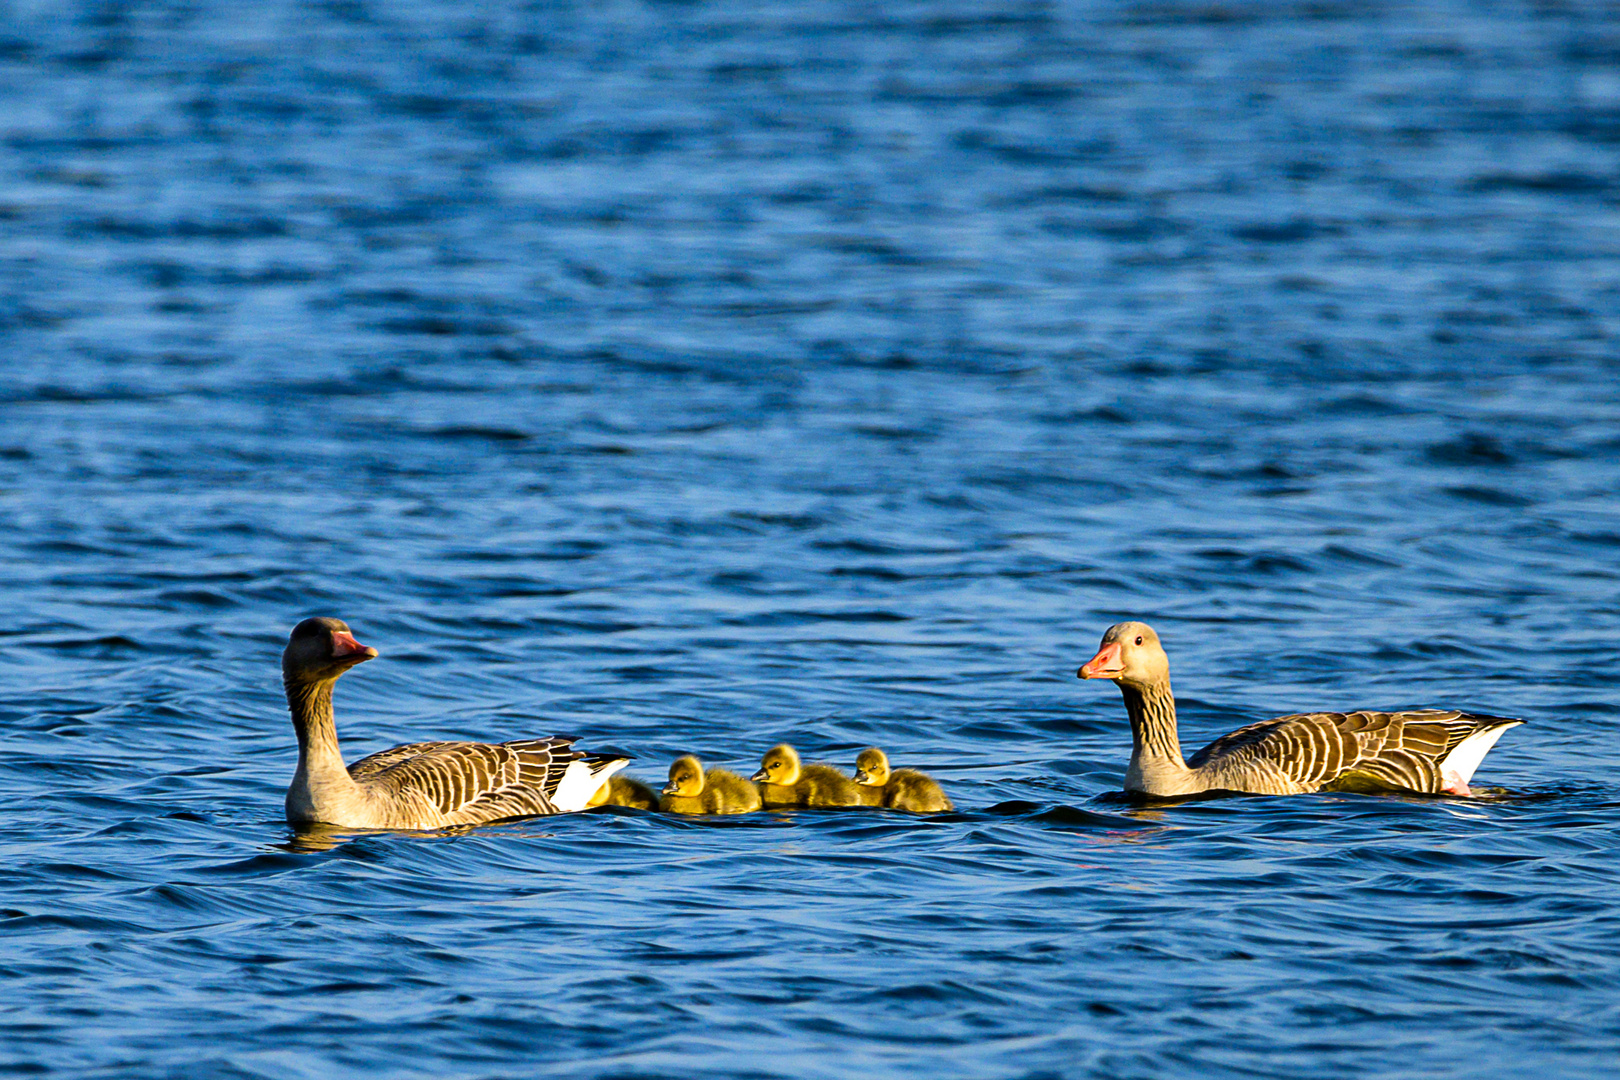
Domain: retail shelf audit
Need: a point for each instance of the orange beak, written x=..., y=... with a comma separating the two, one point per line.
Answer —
x=1105, y=665
x=344, y=645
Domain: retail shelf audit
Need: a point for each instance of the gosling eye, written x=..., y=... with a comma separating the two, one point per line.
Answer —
x=1139, y=639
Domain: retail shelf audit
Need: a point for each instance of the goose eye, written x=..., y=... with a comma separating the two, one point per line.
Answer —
x=1139, y=639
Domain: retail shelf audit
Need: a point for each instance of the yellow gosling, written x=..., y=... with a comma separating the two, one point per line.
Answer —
x=621, y=790
x=784, y=781
x=899, y=789
x=692, y=790
x=869, y=794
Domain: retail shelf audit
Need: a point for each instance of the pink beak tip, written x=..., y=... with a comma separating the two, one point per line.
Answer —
x=1098, y=666
x=345, y=645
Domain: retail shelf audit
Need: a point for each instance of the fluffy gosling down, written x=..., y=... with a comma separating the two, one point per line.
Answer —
x=900, y=789
x=621, y=790
x=692, y=790
x=783, y=781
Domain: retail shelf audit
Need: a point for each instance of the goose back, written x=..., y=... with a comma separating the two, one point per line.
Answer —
x=1364, y=749
x=436, y=784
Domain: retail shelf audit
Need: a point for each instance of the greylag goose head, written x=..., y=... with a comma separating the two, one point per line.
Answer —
x=685, y=778
x=1130, y=654
x=781, y=766
x=872, y=767
x=320, y=650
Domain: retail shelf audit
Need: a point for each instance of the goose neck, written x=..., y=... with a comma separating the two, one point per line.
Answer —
x=320, y=760
x=1157, y=766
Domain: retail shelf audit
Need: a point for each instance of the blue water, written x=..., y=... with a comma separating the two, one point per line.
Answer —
x=695, y=376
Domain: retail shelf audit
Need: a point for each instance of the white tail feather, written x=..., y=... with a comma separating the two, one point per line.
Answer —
x=1466, y=755
x=581, y=780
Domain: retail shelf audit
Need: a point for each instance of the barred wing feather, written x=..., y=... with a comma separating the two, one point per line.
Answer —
x=1405, y=750
x=469, y=783
x=369, y=768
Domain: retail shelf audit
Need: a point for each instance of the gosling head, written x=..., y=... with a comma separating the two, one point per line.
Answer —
x=872, y=767
x=1130, y=654
x=781, y=766
x=685, y=778
x=320, y=650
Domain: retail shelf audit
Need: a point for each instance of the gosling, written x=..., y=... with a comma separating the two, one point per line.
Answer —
x=902, y=789
x=691, y=790
x=621, y=790
x=785, y=782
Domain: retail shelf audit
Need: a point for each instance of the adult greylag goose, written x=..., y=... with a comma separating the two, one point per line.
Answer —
x=427, y=785
x=898, y=789
x=784, y=781
x=1427, y=751
x=695, y=790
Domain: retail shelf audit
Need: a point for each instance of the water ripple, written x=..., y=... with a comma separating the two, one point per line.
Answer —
x=694, y=377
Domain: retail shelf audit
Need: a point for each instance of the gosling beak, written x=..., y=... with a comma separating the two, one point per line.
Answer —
x=344, y=647
x=758, y=777
x=1105, y=665
x=670, y=789
x=860, y=776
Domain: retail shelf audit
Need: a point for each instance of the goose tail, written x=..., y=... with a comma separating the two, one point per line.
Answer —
x=583, y=778
x=1457, y=767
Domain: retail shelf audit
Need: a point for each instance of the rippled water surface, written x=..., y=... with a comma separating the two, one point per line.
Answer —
x=695, y=376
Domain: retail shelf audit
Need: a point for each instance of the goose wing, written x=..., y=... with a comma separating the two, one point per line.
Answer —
x=368, y=768
x=1403, y=750
x=470, y=782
